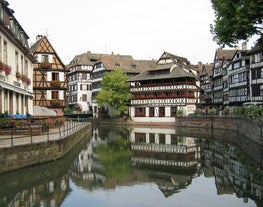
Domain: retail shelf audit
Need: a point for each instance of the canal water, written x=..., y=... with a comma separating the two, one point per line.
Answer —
x=143, y=166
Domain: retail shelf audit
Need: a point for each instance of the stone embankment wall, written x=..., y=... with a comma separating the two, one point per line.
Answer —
x=252, y=129
x=17, y=157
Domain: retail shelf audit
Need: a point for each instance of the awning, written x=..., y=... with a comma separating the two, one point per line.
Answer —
x=15, y=89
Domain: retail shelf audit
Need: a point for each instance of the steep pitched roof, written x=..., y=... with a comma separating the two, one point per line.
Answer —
x=225, y=53
x=126, y=63
x=42, y=45
x=87, y=58
x=168, y=66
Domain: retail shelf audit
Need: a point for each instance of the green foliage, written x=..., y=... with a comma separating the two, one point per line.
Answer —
x=198, y=112
x=180, y=112
x=4, y=122
x=116, y=158
x=236, y=20
x=212, y=111
x=114, y=91
x=253, y=112
x=226, y=111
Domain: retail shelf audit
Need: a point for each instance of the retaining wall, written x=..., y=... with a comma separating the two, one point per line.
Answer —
x=249, y=128
x=17, y=157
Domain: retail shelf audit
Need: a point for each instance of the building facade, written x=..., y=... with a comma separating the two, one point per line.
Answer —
x=108, y=63
x=159, y=93
x=16, y=65
x=238, y=79
x=221, y=62
x=79, y=81
x=256, y=74
x=50, y=76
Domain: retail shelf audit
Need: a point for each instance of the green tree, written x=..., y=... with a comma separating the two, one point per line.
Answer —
x=114, y=91
x=236, y=20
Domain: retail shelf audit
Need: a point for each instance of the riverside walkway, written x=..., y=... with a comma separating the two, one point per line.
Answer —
x=60, y=132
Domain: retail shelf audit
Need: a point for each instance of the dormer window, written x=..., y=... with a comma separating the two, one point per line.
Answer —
x=117, y=65
x=133, y=66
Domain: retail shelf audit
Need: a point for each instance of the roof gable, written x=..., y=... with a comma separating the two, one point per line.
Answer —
x=43, y=46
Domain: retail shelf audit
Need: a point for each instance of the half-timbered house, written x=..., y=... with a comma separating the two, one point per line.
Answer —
x=108, y=63
x=256, y=75
x=221, y=60
x=16, y=65
x=238, y=79
x=50, y=76
x=159, y=93
x=79, y=81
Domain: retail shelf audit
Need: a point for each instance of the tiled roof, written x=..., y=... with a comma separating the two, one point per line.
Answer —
x=112, y=61
x=225, y=54
x=168, y=66
x=127, y=63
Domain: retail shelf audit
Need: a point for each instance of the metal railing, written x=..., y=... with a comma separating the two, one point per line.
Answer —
x=48, y=134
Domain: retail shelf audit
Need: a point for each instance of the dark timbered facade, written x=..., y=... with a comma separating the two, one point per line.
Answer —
x=159, y=93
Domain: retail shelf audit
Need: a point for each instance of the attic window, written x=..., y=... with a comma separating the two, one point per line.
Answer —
x=44, y=58
x=93, y=60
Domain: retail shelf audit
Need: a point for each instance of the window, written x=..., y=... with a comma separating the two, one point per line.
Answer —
x=140, y=137
x=140, y=111
x=84, y=87
x=152, y=138
x=161, y=111
x=44, y=58
x=84, y=97
x=16, y=61
x=161, y=138
x=54, y=94
x=84, y=76
x=22, y=64
x=151, y=111
x=173, y=111
x=55, y=76
x=5, y=52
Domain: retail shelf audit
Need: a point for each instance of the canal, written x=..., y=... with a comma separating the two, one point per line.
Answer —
x=140, y=166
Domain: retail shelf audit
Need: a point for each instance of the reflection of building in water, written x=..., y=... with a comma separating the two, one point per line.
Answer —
x=85, y=167
x=51, y=194
x=162, y=147
x=161, y=150
x=232, y=175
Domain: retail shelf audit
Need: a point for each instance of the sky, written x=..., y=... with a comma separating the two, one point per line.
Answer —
x=141, y=28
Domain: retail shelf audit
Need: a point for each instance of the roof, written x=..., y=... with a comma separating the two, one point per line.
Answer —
x=225, y=54
x=168, y=66
x=112, y=61
x=126, y=63
x=36, y=48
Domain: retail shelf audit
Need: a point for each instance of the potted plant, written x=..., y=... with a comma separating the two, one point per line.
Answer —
x=18, y=75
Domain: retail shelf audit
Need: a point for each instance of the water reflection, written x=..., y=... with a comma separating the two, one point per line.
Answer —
x=174, y=161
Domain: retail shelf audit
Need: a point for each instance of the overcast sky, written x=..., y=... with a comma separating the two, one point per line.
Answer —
x=141, y=28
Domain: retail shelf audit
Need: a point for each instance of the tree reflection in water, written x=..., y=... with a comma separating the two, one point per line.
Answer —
x=116, y=157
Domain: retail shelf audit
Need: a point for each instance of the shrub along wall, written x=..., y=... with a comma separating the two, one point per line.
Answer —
x=26, y=155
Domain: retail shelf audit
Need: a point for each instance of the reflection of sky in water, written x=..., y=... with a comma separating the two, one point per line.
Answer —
x=201, y=192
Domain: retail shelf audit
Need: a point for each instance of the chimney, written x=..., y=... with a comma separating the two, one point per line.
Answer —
x=38, y=37
x=244, y=45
